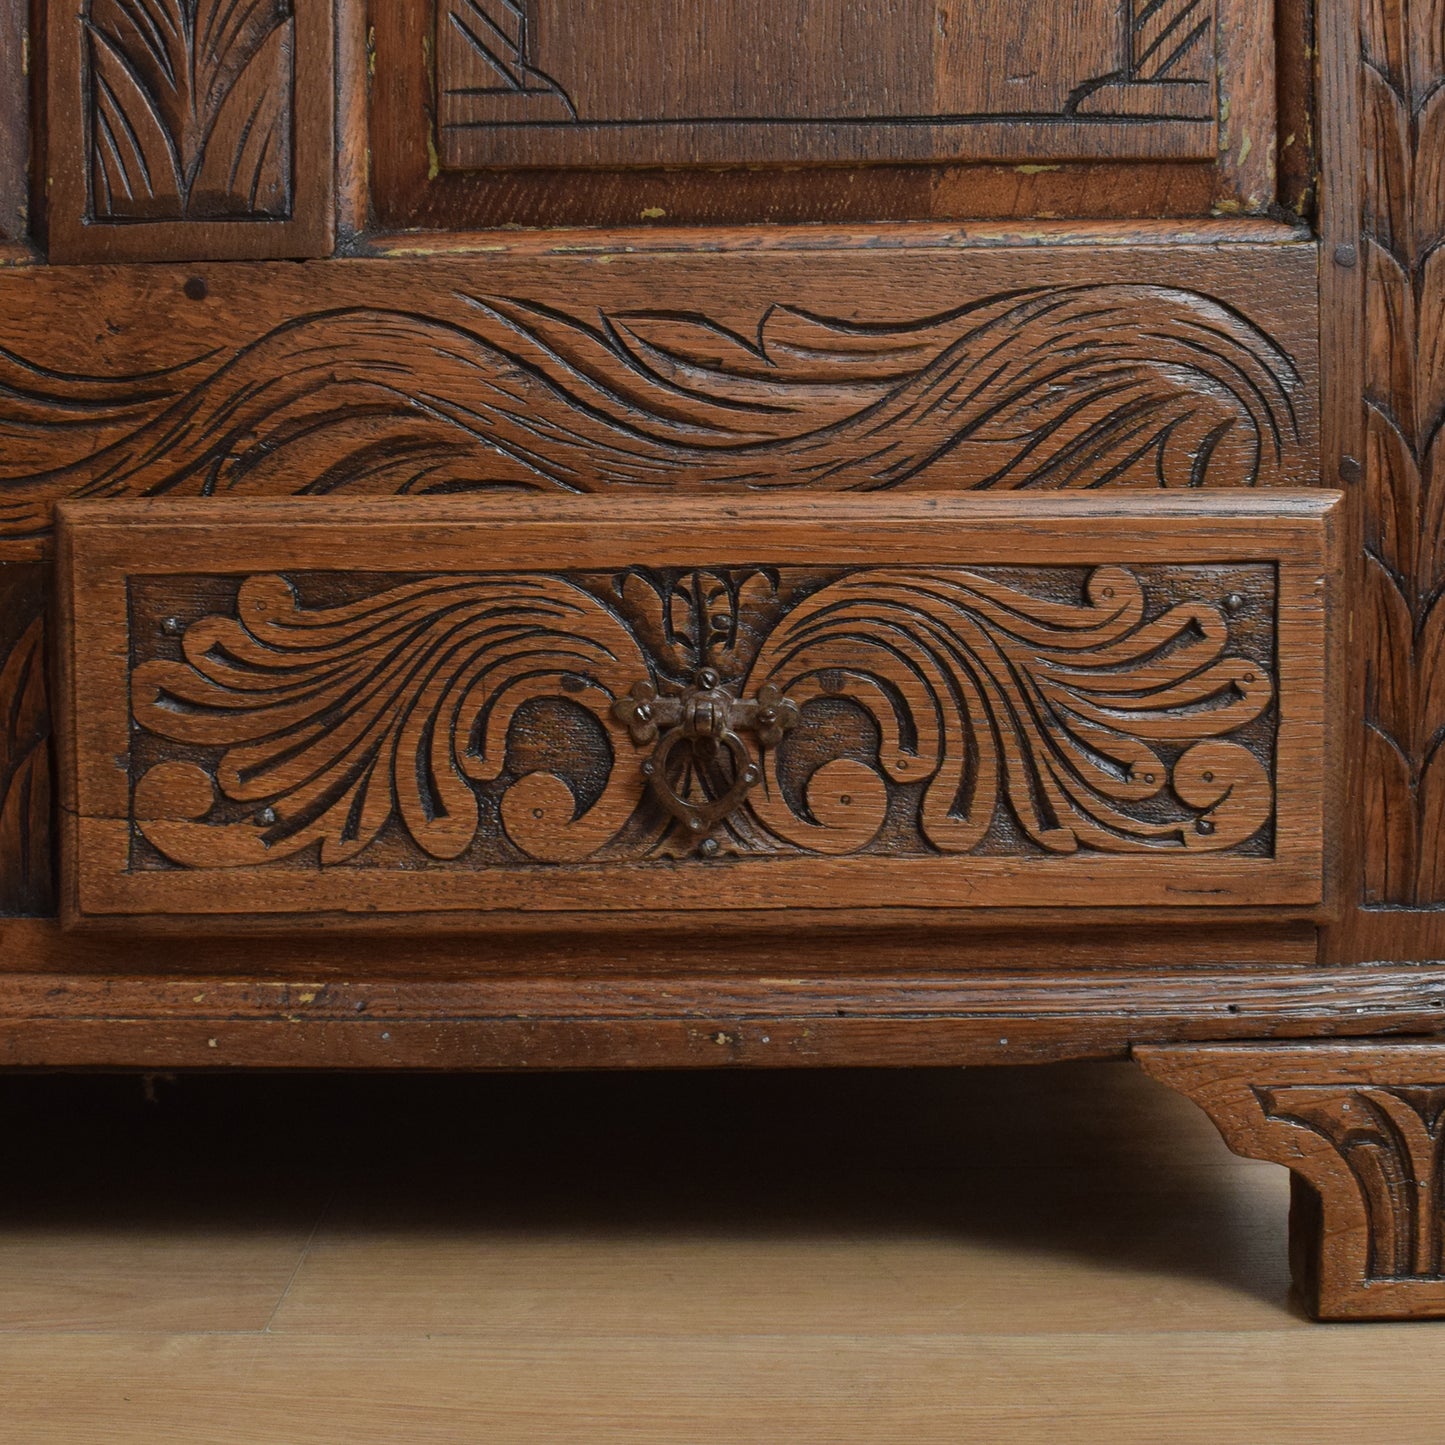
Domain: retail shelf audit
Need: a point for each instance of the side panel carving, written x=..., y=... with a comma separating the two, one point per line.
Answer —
x=25, y=767
x=1063, y=387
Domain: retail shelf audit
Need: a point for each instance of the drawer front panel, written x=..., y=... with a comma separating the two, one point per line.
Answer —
x=462, y=709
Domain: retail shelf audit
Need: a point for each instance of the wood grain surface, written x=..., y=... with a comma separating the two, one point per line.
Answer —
x=14, y=123
x=1144, y=261
x=680, y=1000
x=1363, y=1130
x=528, y=82
x=1100, y=674
x=189, y=129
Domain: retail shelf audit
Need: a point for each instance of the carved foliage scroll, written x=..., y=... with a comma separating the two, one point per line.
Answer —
x=468, y=720
x=1403, y=254
x=1050, y=388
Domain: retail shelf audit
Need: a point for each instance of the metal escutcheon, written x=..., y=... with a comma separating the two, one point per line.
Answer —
x=703, y=714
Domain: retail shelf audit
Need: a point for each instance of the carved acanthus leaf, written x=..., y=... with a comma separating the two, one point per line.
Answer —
x=334, y=721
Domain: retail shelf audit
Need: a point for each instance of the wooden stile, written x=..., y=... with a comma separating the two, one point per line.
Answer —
x=695, y=533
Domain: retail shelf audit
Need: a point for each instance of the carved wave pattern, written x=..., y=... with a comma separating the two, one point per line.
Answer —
x=1068, y=387
x=190, y=109
x=943, y=711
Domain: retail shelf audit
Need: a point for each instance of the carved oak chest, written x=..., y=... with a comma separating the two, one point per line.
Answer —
x=694, y=532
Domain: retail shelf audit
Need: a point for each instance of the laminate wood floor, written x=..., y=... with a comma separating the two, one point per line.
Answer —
x=1048, y=1254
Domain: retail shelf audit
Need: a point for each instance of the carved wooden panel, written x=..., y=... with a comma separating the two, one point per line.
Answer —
x=1402, y=260
x=820, y=372
x=26, y=885
x=1363, y=1129
x=667, y=82
x=190, y=128
x=420, y=707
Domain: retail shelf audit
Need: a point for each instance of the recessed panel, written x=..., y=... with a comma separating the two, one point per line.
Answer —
x=637, y=82
x=467, y=709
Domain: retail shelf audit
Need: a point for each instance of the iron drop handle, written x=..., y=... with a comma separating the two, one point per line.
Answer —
x=703, y=714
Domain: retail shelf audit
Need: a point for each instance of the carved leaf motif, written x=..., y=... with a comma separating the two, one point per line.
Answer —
x=336, y=720
x=190, y=109
x=991, y=695
x=135, y=170
x=1432, y=824
x=1403, y=250
x=1061, y=387
x=1390, y=864
x=1391, y=679
x=701, y=619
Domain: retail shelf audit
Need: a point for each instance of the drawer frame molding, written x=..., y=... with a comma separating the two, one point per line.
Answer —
x=1033, y=729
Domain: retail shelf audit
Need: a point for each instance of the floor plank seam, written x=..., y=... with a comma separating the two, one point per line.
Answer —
x=322, y=1216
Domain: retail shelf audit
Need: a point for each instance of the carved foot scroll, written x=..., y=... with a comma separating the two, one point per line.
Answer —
x=1362, y=1129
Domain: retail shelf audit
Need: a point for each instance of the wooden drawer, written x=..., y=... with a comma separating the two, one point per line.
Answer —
x=468, y=710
